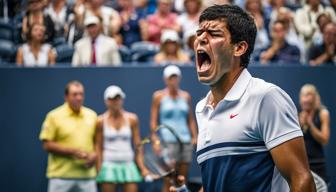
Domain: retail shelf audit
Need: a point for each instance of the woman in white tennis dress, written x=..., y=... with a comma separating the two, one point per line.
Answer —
x=117, y=130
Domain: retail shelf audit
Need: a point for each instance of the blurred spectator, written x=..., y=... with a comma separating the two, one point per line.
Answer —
x=287, y=17
x=172, y=106
x=280, y=51
x=97, y=48
x=120, y=160
x=60, y=14
x=188, y=40
x=189, y=19
x=333, y=4
x=147, y=6
x=35, y=52
x=171, y=52
x=322, y=20
x=179, y=6
x=275, y=6
x=132, y=23
x=163, y=19
x=76, y=27
x=325, y=52
x=35, y=14
x=111, y=20
x=68, y=136
x=208, y=3
x=305, y=19
x=256, y=9
x=314, y=120
x=279, y=11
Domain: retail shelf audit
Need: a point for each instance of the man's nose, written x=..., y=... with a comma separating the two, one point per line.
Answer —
x=203, y=39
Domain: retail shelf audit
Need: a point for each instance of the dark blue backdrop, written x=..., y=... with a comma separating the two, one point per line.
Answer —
x=27, y=94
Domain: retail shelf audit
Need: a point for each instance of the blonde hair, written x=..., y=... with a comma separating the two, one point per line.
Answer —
x=311, y=89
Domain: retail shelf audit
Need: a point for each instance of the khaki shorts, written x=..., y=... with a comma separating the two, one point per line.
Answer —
x=72, y=185
x=183, y=156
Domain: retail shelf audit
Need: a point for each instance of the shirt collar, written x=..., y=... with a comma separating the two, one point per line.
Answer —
x=69, y=111
x=98, y=38
x=234, y=94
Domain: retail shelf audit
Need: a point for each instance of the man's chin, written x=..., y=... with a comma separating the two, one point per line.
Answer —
x=206, y=81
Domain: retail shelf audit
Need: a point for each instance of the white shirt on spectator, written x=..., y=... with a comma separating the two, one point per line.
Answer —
x=305, y=21
x=29, y=59
x=59, y=19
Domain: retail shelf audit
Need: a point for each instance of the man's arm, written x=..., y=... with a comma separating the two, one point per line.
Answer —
x=291, y=160
x=54, y=147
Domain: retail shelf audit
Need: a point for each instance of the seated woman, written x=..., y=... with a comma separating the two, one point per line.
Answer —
x=35, y=14
x=35, y=52
x=171, y=52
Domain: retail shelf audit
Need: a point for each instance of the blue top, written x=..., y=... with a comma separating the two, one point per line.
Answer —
x=130, y=31
x=288, y=54
x=174, y=113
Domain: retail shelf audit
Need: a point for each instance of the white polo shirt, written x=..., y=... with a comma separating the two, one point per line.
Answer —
x=235, y=137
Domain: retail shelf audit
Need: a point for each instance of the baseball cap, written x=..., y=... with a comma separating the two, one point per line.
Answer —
x=90, y=20
x=169, y=35
x=113, y=91
x=171, y=70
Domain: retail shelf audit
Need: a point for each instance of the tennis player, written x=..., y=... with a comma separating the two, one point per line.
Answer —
x=117, y=130
x=249, y=136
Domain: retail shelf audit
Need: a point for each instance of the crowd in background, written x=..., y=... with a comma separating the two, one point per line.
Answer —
x=159, y=32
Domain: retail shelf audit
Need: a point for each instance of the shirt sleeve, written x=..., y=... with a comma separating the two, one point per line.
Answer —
x=48, y=131
x=278, y=118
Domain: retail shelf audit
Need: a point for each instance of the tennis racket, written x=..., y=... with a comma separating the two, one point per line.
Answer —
x=161, y=156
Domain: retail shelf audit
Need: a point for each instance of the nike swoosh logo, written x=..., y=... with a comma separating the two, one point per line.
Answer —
x=233, y=116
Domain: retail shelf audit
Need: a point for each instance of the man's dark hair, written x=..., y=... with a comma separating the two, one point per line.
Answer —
x=67, y=87
x=240, y=24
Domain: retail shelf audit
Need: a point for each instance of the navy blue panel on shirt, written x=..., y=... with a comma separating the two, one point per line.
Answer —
x=238, y=173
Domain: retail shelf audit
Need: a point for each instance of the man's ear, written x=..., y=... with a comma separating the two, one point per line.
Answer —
x=240, y=48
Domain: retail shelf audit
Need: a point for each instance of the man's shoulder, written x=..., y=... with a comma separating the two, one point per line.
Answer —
x=259, y=88
x=58, y=110
x=108, y=41
x=81, y=42
x=89, y=112
x=266, y=90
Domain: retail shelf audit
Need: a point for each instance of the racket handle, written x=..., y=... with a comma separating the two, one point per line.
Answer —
x=183, y=188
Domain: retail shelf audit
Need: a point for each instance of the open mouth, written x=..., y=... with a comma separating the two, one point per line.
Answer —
x=203, y=60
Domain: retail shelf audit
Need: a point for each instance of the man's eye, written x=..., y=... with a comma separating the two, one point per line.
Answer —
x=216, y=35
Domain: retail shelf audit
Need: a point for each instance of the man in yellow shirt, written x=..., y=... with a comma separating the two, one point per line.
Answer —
x=68, y=136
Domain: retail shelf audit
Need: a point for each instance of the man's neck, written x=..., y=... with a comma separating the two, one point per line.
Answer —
x=75, y=111
x=223, y=86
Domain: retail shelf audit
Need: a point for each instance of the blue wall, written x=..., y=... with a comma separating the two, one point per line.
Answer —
x=27, y=94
